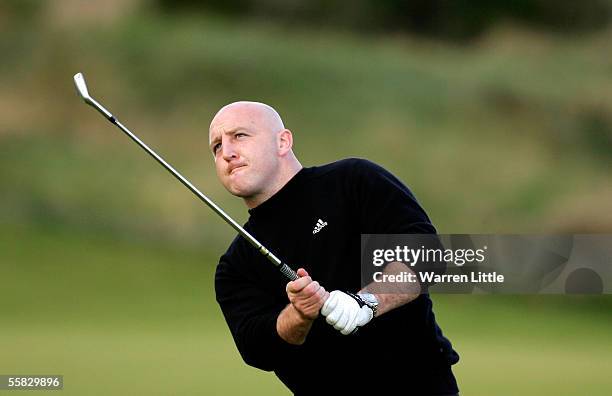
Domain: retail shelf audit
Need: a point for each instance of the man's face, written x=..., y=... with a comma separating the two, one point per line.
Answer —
x=243, y=141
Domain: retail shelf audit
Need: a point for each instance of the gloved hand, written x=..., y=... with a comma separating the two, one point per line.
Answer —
x=345, y=313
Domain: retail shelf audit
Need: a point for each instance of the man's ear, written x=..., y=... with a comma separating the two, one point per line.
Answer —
x=285, y=141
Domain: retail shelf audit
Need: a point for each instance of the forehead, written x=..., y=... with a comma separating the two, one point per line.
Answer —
x=230, y=119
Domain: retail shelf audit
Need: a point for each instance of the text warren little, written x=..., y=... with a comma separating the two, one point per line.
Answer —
x=429, y=277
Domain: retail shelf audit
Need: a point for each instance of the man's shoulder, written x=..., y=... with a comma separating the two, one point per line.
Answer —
x=347, y=166
x=354, y=172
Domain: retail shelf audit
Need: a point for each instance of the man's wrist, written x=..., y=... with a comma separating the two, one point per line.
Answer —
x=291, y=326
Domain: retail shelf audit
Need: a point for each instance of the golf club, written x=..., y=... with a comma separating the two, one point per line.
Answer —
x=81, y=87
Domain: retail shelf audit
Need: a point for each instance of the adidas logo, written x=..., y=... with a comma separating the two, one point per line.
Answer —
x=319, y=226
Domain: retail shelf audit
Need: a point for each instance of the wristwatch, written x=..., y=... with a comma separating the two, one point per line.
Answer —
x=371, y=301
x=368, y=299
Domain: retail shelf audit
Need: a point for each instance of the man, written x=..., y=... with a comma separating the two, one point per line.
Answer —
x=312, y=218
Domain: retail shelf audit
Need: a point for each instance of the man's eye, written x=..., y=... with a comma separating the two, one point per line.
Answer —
x=216, y=147
x=240, y=134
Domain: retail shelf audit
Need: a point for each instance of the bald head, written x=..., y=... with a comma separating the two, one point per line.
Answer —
x=252, y=114
x=253, y=150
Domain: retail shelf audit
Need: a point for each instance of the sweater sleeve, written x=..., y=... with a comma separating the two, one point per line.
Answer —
x=251, y=313
x=386, y=206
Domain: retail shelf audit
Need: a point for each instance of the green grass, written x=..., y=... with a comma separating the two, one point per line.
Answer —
x=186, y=358
x=529, y=344
x=118, y=317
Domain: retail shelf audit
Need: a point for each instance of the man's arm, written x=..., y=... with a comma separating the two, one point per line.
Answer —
x=391, y=295
x=251, y=311
x=306, y=299
x=292, y=327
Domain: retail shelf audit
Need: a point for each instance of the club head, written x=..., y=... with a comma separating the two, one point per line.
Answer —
x=81, y=86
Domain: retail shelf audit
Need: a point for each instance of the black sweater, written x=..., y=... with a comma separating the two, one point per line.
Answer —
x=353, y=197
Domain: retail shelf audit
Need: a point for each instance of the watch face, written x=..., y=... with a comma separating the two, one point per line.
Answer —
x=369, y=299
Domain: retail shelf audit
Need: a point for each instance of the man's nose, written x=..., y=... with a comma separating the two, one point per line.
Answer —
x=228, y=151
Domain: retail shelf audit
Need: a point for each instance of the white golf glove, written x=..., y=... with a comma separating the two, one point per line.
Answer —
x=344, y=312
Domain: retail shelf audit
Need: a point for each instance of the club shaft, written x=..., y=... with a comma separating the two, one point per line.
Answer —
x=284, y=268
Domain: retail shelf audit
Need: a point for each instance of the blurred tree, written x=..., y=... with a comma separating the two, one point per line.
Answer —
x=457, y=19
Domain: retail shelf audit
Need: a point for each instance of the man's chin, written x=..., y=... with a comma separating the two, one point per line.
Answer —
x=239, y=192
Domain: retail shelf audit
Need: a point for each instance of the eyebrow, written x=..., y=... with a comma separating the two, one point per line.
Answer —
x=227, y=132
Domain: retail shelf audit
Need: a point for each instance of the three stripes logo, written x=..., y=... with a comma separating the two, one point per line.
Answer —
x=319, y=226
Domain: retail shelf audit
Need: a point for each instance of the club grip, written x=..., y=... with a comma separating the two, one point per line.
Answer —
x=288, y=272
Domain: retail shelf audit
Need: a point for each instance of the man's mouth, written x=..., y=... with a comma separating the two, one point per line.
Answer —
x=234, y=169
